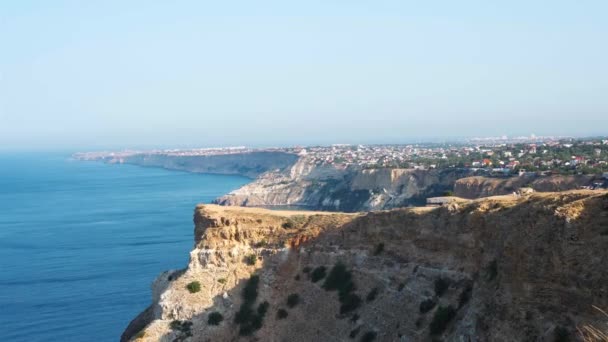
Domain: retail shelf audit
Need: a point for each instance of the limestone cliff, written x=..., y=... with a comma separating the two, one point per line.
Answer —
x=499, y=269
x=476, y=187
x=341, y=188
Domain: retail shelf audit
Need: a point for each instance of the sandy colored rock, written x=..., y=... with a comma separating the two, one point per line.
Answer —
x=517, y=268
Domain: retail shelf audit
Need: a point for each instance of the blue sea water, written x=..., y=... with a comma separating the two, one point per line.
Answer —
x=80, y=242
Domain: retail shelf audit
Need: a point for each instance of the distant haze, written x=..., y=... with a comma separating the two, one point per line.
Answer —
x=97, y=74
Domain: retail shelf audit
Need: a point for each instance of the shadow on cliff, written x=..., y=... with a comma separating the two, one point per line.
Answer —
x=529, y=269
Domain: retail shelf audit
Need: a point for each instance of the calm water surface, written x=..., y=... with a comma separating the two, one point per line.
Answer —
x=80, y=242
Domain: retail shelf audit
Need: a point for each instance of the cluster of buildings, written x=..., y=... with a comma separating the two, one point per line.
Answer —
x=499, y=157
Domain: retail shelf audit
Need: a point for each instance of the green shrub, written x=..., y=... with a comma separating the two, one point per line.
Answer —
x=222, y=280
x=182, y=326
x=340, y=279
x=250, y=291
x=400, y=287
x=465, y=295
x=427, y=305
x=246, y=330
x=354, y=332
x=288, y=224
x=350, y=302
x=194, y=287
x=215, y=318
x=282, y=313
x=263, y=308
x=371, y=296
x=368, y=336
x=262, y=243
x=492, y=270
x=293, y=300
x=244, y=314
x=251, y=259
x=248, y=320
x=441, y=286
x=379, y=249
x=562, y=334
x=306, y=269
x=440, y=321
x=318, y=274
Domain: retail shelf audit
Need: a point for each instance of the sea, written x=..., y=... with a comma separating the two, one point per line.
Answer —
x=81, y=241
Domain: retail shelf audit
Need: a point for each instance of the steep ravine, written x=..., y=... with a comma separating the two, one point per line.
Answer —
x=498, y=269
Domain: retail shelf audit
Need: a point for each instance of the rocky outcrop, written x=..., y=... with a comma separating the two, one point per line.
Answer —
x=499, y=269
x=341, y=188
x=478, y=186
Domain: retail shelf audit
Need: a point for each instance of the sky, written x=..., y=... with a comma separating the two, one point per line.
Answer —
x=130, y=74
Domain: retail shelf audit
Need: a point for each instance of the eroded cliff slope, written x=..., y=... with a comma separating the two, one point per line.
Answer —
x=342, y=188
x=498, y=269
x=478, y=186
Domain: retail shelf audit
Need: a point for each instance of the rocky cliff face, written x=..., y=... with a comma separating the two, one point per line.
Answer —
x=499, y=269
x=476, y=187
x=349, y=189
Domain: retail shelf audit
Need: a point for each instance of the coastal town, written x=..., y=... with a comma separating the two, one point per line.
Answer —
x=497, y=157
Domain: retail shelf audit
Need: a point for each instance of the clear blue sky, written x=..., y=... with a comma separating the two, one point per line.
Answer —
x=94, y=74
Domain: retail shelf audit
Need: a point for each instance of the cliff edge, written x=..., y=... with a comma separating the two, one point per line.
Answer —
x=498, y=269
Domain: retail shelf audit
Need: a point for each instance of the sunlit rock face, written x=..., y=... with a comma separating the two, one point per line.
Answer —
x=509, y=268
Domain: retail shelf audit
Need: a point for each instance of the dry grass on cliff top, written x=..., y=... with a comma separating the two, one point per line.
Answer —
x=505, y=200
x=214, y=208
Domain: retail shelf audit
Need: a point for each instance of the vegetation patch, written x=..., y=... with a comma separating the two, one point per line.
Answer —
x=222, y=280
x=400, y=287
x=340, y=279
x=492, y=270
x=373, y=293
x=262, y=243
x=368, y=336
x=442, y=317
x=306, y=269
x=293, y=300
x=184, y=327
x=427, y=305
x=441, y=286
x=215, y=318
x=562, y=334
x=289, y=224
x=251, y=259
x=465, y=295
x=318, y=274
x=194, y=287
x=263, y=308
x=282, y=314
x=354, y=332
x=350, y=302
x=249, y=320
x=379, y=248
